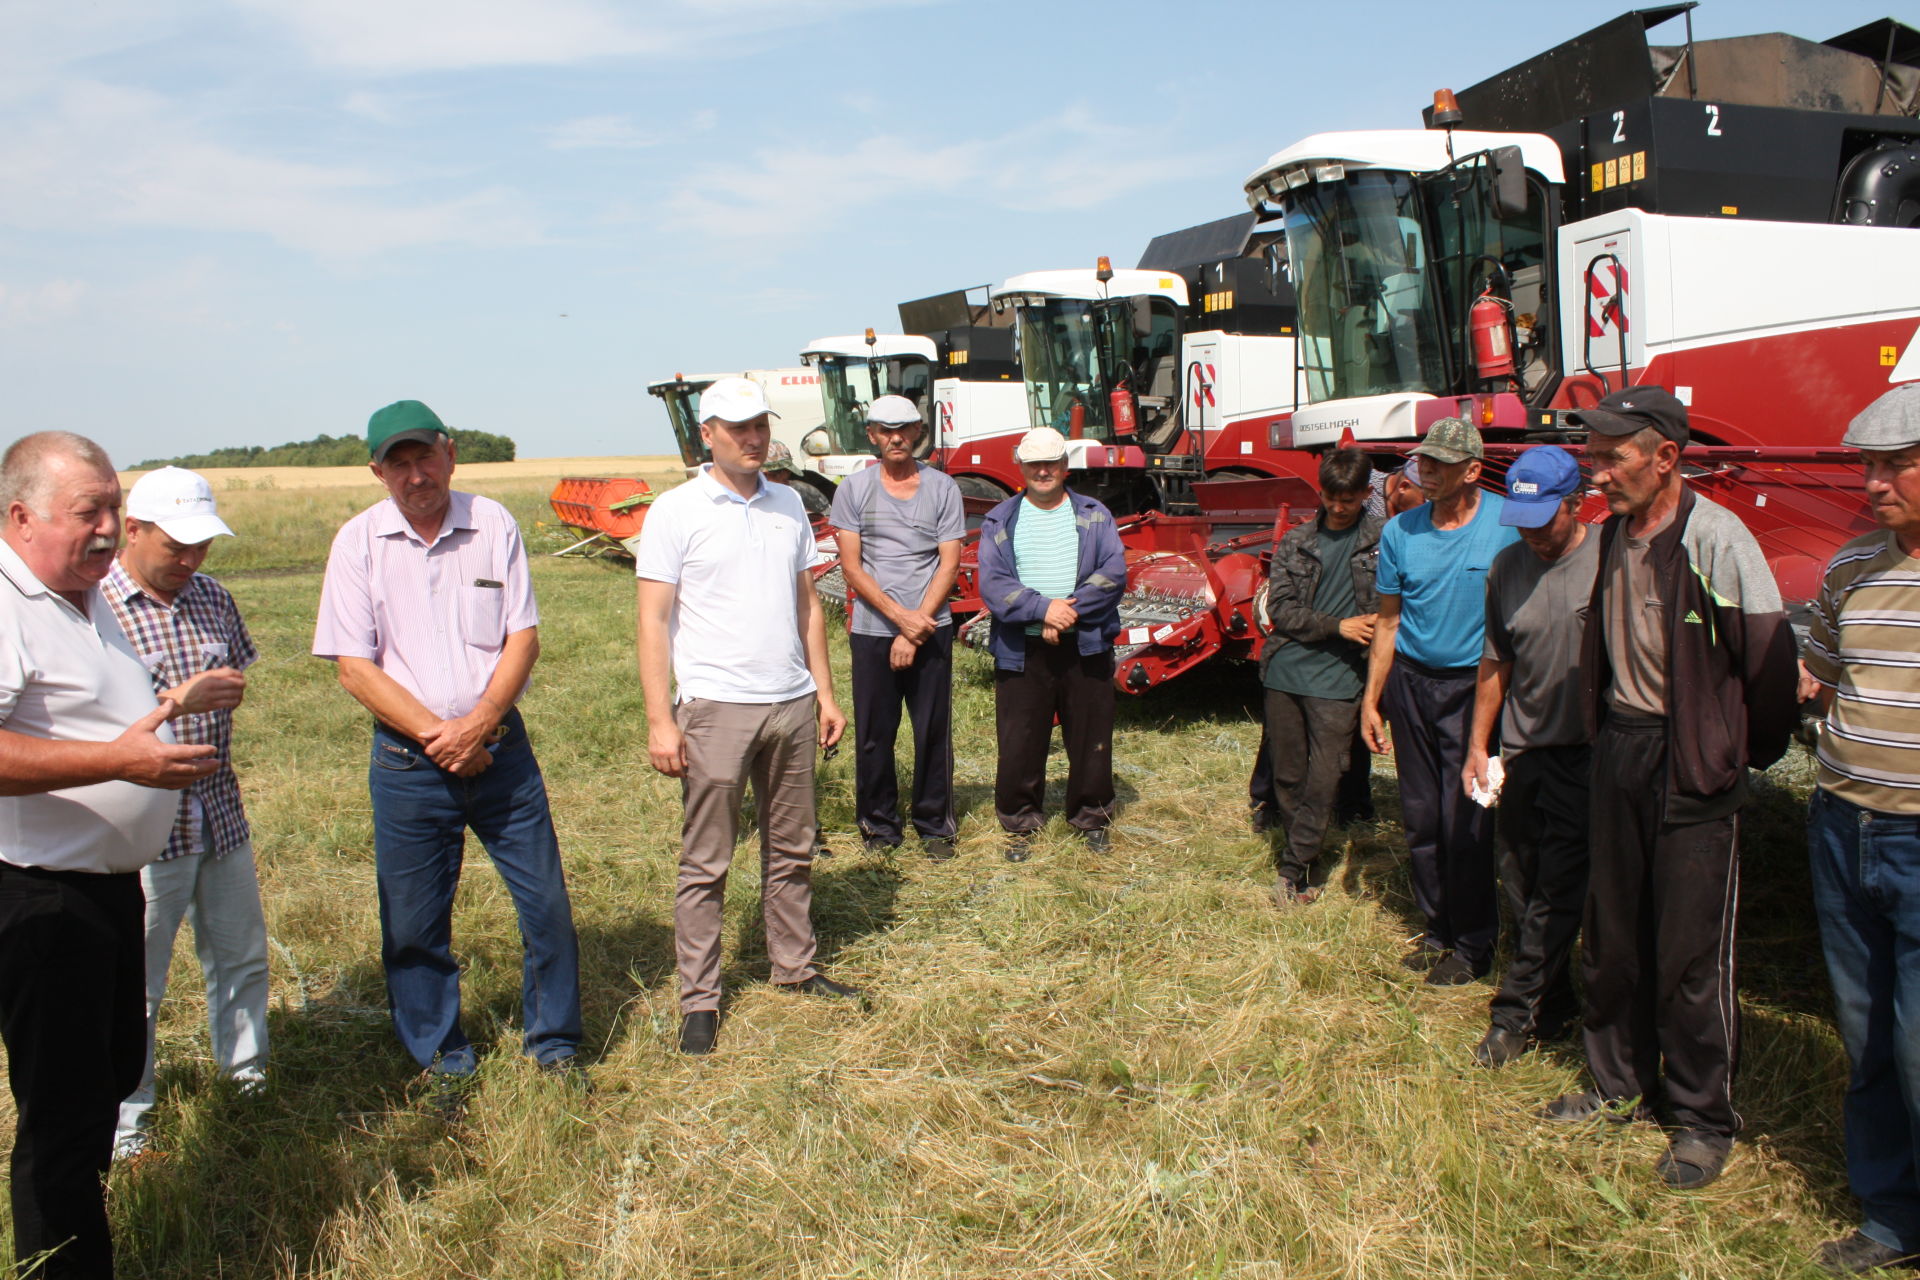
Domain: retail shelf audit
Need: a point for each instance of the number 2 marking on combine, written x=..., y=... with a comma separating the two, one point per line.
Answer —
x=1713, y=121
x=1620, y=125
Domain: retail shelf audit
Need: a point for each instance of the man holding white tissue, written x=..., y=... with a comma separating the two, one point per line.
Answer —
x=1538, y=595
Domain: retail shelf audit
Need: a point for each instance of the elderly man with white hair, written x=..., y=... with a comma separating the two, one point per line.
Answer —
x=86, y=765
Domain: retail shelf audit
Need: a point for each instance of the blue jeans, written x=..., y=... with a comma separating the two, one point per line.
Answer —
x=1866, y=891
x=420, y=817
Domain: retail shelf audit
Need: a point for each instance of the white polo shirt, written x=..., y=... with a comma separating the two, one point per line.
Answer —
x=74, y=677
x=735, y=628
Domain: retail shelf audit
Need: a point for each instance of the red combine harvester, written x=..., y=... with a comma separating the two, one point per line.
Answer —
x=1732, y=218
x=1729, y=218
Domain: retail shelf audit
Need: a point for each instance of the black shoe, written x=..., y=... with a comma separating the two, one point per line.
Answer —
x=697, y=1032
x=448, y=1094
x=1499, y=1047
x=821, y=849
x=1019, y=849
x=1099, y=839
x=1575, y=1108
x=1857, y=1254
x=879, y=844
x=1455, y=971
x=1424, y=957
x=939, y=848
x=1694, y=1158
x=1289, y=892
x=568, y=1071
x=821, y=985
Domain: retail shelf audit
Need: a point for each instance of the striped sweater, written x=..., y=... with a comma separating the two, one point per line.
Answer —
x=1864, y=644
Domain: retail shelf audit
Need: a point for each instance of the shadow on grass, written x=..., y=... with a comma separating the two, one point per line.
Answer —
x=251, y=1186
x=852, y=899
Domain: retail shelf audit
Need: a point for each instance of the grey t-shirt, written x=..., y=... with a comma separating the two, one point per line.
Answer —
x=1636, y=626
x=899, y=541
x=1536, y=614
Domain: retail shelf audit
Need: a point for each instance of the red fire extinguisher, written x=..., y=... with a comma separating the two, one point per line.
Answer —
x=1125, y=416
x=1492, y=344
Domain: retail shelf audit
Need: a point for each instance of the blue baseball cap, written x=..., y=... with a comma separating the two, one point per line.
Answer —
x=1536, y=483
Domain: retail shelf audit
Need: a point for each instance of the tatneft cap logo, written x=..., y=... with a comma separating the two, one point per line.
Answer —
x=734, y=400
x=1451, y=440
x=1536, y=483
x=180, y=502
x=1042, y=444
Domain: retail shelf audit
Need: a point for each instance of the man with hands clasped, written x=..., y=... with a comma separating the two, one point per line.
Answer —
x=899, y=526
x=727, y=613
x=428, y=612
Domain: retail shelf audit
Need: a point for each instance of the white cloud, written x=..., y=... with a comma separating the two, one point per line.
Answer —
x=37, y=304
x=1071, y=161
x=101, y=156
x=381, y=108
x=385, y=37
x=590, y=133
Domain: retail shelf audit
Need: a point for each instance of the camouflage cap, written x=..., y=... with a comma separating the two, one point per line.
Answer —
x=779, y=457
x=1451, y=440
x=1888, y=424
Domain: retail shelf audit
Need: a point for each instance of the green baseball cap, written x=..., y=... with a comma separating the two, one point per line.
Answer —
x=1451, y=440
x=399, y=422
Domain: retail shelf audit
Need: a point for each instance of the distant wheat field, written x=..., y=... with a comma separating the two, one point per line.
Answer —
x=478, y=474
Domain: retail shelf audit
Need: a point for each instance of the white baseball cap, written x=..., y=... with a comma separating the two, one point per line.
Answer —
x=180, y=502
x=734, y=400
x=893, y=411
x=1042, y=444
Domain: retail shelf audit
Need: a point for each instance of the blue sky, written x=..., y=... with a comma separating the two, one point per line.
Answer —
x=253, y=221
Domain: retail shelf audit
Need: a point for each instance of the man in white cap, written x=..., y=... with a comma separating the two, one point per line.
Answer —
x=1051, y=573
x=1863, y=832
x=899, y=527
x=185, y=625
x=727, y=613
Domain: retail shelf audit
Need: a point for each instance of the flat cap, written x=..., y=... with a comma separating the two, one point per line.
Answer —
x=1889, y=423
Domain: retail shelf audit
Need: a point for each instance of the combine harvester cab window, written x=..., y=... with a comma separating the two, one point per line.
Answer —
x=1473, y=247
x=853, y=384
x=1368, y=322
x=683, y=413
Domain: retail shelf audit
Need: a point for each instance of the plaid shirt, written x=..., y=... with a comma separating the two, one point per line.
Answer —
x=199, y=631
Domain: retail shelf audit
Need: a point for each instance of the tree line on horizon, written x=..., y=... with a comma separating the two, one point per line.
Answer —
x=327, y=451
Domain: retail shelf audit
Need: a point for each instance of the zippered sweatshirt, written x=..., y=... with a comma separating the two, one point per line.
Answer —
x=1100, y=576
x=1294, y=577
x=1731, y=677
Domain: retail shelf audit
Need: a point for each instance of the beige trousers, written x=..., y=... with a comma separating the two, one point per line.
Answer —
x=728, y=744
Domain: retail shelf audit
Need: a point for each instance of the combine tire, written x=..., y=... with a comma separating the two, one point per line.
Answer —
x=981, y=487
x=816, y=502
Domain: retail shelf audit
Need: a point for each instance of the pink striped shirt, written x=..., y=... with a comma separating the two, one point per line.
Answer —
x=433, y=616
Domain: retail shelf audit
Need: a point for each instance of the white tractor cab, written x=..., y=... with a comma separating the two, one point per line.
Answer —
x=1625, y=214
x=794, y=397
x=854, y=371
x=1099, y=355
x=1172, y=372
x=978, y=396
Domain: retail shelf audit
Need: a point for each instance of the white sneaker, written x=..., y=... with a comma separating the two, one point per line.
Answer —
x=128, y=1145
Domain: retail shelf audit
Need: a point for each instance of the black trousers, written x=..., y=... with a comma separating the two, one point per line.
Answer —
x=926, y=690
x=1449, y=837
x=1352, y=798
x=1309, y=741
x=1658, y=957
x=1542, y=821
x=73, y=1013
x=1058, y=681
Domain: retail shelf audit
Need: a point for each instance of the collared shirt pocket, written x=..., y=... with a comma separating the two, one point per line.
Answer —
x=482, y=611
x=213, y=654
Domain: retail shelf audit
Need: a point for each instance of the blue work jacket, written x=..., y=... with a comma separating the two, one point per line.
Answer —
x=1099, y=577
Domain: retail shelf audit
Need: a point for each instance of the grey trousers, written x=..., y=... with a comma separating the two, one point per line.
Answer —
x=1309, y=741
x=728, y=744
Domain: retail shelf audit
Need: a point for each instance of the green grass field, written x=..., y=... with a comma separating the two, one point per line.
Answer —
x=1129, y=1066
